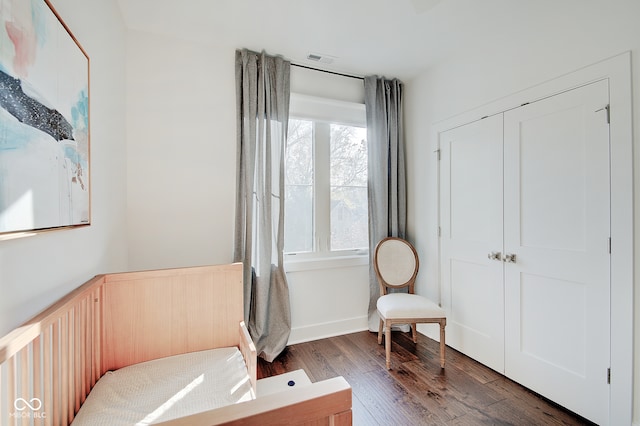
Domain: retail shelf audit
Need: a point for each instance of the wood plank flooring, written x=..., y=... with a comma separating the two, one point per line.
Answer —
x=416, y=391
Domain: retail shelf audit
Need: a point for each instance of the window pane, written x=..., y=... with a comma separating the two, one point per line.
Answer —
x=298, y=228
x=349, y=218
x=299, y=153
x=348, y=155
x=299, y=187
x=349, y=210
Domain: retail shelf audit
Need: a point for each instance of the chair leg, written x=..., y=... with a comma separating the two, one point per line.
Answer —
x=414, y=333
x=442, y=344
x=380, y=331
x=387, y=344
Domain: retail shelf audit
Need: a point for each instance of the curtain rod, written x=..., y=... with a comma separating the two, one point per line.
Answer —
x=328, y=72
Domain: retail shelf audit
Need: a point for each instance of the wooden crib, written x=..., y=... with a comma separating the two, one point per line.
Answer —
x=49, y=365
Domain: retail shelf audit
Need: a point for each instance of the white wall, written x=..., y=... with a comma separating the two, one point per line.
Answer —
x=530, y=45
x=181, y=152
x=326, y=85
x=35, y=271
x=327, y=300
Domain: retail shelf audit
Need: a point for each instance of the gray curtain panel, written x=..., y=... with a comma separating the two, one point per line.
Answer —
x=386, y=169
x=262, y=107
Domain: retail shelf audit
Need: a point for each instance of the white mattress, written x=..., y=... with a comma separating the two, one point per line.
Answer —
x=167, y=388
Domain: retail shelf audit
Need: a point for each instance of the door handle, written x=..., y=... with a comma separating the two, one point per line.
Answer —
x=495, y=255
x=509, y=258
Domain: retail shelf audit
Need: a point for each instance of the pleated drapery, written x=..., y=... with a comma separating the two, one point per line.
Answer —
x=386, y=172
x=262, y=107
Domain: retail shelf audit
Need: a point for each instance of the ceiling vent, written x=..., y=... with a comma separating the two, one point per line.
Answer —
x=316, y=57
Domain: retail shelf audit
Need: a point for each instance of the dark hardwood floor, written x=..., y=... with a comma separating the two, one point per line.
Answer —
x=416, y=391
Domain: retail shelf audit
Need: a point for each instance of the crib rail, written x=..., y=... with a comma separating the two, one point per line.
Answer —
x=49, y=365
x=158, y=313
x=249, y=353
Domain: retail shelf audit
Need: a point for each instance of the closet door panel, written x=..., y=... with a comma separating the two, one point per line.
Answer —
x=556, y=223
x=471, y=229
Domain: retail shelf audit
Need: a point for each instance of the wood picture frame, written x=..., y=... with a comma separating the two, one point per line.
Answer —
x=44, y=121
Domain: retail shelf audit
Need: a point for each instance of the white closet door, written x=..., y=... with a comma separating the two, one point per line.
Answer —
x=556, y=192
x=471, y=229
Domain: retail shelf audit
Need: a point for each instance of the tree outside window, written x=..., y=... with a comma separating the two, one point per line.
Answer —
x=325, y=187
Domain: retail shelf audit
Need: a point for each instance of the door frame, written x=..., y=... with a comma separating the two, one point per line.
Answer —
x=617, y=70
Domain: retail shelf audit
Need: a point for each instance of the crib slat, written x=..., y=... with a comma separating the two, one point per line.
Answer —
x=77, y=351
x=90, y=333
x=11, y=386
x=23, y=374
x=3, y=419
x=37, y=376
x=83, y=350
x=97, y=368
x=70, y=366
x=2, y=399
x=55, y=382
x=46, y=370
x=73, y=358
x=64, y=363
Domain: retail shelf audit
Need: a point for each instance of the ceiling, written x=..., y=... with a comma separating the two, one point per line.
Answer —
x=394, y=38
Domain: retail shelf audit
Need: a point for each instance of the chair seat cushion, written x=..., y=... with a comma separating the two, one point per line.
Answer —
x=403, y=305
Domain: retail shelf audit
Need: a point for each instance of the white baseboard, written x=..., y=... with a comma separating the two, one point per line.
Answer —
x=346, y=326
x=327, y=329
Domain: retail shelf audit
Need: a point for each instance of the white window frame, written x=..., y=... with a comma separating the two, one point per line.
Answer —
x=323, y=112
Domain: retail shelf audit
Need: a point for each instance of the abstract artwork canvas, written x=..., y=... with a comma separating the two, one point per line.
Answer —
x=44, y=120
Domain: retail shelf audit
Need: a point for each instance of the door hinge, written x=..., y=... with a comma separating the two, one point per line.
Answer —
x=609, y=245
x=608, y=376
x=437, y=151
x=439, y=232
x=607, y=108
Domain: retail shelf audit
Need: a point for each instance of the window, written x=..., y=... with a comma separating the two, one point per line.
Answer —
x=326, y=209
x=348, y=192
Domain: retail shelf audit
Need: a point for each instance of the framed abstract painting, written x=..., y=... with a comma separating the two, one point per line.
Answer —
x=44, y=121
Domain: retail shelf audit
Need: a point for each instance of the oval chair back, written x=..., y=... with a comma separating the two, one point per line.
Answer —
x=396, y=264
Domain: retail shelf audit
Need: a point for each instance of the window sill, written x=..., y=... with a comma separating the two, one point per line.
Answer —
x=328, y=262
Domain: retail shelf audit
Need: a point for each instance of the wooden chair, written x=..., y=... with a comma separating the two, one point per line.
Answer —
x=396, y=264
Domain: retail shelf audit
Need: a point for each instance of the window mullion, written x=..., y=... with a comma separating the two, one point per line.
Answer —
x=322, y=188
